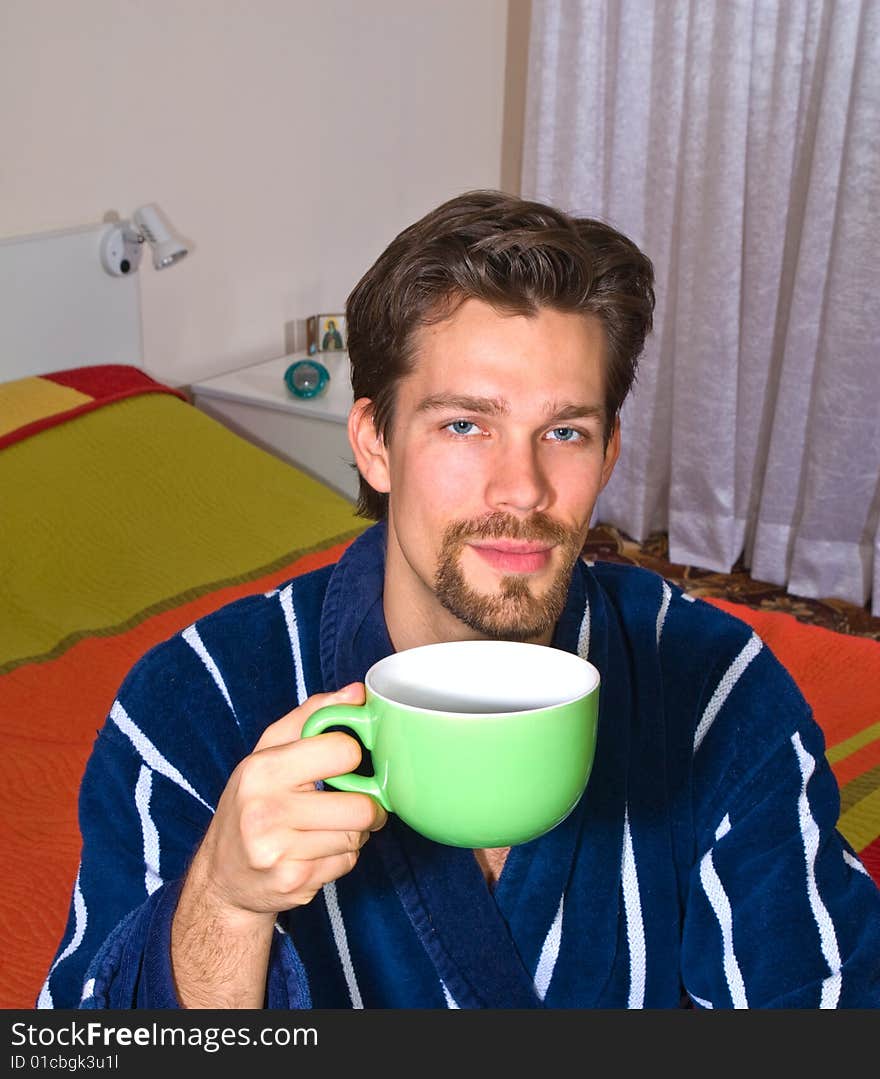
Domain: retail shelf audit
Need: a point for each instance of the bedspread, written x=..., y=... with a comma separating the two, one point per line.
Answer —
x=126, y=514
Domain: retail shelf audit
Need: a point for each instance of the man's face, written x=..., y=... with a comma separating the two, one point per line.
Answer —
x=493, y=465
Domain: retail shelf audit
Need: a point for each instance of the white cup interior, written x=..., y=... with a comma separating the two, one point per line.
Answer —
x=482, y=676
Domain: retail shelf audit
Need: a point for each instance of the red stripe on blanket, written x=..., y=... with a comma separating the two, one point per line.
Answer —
x=106, y=380
x=104, y=383
x=870, y=858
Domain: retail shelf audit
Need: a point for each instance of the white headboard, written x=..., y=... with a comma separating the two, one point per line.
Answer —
x=59, y=307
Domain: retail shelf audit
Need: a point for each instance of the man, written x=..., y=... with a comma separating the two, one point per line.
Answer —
x=492, y=345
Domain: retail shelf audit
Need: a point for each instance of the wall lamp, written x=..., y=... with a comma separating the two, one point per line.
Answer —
x=122, y=243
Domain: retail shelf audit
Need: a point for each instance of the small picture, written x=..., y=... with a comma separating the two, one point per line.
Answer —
x=326, y=333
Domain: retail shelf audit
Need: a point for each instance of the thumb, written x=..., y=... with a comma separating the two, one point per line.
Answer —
x=289, y=726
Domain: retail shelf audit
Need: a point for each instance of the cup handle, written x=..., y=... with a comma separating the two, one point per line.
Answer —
x=358, y=719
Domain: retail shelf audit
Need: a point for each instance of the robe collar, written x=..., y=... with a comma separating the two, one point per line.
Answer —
x=486, y=944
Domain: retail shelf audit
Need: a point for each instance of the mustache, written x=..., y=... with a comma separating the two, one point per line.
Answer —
x=499, y=525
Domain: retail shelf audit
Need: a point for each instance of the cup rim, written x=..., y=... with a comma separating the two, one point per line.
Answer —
x=595, y=682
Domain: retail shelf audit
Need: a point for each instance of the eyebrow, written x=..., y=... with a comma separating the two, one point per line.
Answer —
x=497, y=406
x=488, y=406
x=575, y=412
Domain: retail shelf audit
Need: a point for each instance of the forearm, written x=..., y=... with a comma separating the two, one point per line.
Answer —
x=273, y=842
x=220, y=956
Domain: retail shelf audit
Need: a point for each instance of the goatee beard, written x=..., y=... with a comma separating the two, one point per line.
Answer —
x=512, y=613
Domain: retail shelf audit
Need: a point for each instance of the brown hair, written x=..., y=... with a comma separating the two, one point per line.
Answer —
x=517, y=256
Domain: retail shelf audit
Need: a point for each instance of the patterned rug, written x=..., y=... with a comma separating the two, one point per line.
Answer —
x=609, y=544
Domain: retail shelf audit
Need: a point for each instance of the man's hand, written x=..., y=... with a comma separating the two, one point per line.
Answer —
x=273, y=843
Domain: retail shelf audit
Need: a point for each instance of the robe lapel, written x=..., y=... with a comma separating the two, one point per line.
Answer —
x=457, y=920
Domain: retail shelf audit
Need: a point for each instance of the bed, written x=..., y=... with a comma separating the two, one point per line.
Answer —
x=127, y=514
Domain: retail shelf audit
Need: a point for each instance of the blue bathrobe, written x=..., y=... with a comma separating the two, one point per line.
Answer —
x=702, y=862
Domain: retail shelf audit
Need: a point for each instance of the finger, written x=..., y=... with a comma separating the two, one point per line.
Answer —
x=325, y=870
x=312, y=846
x=295, y=766
x=289, y=727
x=330, y=810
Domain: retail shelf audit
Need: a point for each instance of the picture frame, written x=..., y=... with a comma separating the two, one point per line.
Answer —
x=326, y=333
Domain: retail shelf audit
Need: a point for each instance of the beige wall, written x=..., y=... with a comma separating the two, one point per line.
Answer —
x=519, y=17
x=289, y=140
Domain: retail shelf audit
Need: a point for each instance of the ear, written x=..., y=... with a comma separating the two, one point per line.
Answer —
x=612, y=452
x=370, y=454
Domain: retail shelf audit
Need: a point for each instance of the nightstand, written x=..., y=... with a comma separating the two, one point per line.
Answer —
x=310, y=433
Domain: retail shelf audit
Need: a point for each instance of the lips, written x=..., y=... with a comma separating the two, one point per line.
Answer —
x=514, y=557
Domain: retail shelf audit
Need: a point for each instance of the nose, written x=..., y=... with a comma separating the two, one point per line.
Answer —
x=517, y=481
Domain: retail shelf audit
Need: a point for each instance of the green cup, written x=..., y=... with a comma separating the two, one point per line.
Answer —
x=474, y=743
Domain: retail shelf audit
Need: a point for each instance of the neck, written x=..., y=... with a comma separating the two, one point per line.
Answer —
x=491, y=860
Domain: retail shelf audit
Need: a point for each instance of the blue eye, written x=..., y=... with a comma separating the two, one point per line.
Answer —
x=565, y=434
x=461, y=427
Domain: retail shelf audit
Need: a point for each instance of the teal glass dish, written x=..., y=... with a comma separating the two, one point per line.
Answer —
x=307, y=378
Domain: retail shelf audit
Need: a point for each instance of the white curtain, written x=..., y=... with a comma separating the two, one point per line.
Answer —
x=738, y=143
